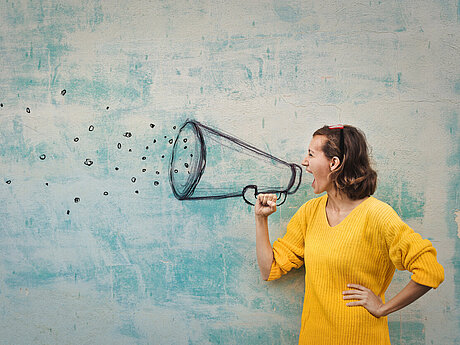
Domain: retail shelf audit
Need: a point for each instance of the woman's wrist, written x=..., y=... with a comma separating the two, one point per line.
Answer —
x=382, y=311
x=261, y=217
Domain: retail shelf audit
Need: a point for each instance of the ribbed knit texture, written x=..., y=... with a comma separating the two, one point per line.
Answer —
x=365, y=248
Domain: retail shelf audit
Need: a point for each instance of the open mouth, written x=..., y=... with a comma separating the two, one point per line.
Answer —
x=313, y=177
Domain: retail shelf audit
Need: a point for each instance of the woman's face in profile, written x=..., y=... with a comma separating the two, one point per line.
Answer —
x=318, y=164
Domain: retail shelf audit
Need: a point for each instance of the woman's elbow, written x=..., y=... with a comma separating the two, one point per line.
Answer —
x=265, y=276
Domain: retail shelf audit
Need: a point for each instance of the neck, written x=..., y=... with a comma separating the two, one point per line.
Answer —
x=340, y=202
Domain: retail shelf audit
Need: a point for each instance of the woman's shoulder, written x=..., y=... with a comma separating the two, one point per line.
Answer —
x=313, y=203
x=381, y=209
x=308, y=209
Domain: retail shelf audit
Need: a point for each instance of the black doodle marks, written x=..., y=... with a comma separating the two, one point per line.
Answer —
x=88, y=162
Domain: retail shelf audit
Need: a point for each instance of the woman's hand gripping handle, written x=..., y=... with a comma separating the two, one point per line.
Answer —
x=265, y=205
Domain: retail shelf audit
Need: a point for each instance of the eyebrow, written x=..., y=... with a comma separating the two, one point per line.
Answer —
x=310, y=150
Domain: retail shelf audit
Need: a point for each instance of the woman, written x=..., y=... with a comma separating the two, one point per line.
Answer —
x=350, y=243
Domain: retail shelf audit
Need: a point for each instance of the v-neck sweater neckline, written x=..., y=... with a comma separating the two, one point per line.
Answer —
x=323, y=208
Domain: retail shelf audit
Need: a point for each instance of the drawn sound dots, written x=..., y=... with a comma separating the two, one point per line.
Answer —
x=43, y=157
x=91, y=128
x=63, y=92
x=28, y=110
x=88, y=162
x=127, y=134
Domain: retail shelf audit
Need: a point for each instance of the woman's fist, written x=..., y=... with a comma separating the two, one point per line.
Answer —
x=265, y=205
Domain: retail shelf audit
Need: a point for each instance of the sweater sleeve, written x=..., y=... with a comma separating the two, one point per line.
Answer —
x=288, y=252
x=409, y=251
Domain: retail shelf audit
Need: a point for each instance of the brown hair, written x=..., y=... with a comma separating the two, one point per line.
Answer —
x=354, y=176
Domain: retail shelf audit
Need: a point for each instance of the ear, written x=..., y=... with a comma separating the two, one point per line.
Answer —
x=334, y=163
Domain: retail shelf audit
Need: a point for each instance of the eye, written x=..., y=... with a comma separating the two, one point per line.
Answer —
x=310, y=155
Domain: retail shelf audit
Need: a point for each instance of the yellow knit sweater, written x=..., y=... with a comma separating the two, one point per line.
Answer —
x=365, y=248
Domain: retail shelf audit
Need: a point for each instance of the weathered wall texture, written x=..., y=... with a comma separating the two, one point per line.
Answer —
x=101, y=254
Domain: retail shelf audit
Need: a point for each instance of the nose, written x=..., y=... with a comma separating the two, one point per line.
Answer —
x=305, y=161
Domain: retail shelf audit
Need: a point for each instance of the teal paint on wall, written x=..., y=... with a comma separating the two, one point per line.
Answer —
x=458, y=11
x=407, y=333
x=397, y=195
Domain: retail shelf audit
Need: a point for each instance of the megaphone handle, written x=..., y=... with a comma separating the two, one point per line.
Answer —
x=255, y=194
x=282, y=197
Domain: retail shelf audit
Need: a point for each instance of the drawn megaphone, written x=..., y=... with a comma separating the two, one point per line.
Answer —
x=209, y=164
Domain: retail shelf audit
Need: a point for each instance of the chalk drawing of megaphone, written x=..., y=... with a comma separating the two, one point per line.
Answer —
x=207, y=163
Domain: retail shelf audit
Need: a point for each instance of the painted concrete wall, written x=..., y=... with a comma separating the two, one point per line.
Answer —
x=93, y=251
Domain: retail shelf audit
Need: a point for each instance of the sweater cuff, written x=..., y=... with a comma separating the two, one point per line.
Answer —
x=429, y=272
x=275, y=271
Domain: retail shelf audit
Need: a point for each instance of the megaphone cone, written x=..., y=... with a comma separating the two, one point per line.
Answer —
x=207, y=163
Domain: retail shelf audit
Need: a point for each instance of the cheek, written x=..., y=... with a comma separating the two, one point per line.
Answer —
x=323, y=171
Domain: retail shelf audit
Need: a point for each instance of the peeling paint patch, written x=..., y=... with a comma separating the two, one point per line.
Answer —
x=457, y=219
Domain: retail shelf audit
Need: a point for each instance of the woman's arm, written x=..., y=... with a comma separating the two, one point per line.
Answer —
x=263, y=247
x=265, y=205
x=373, y=303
